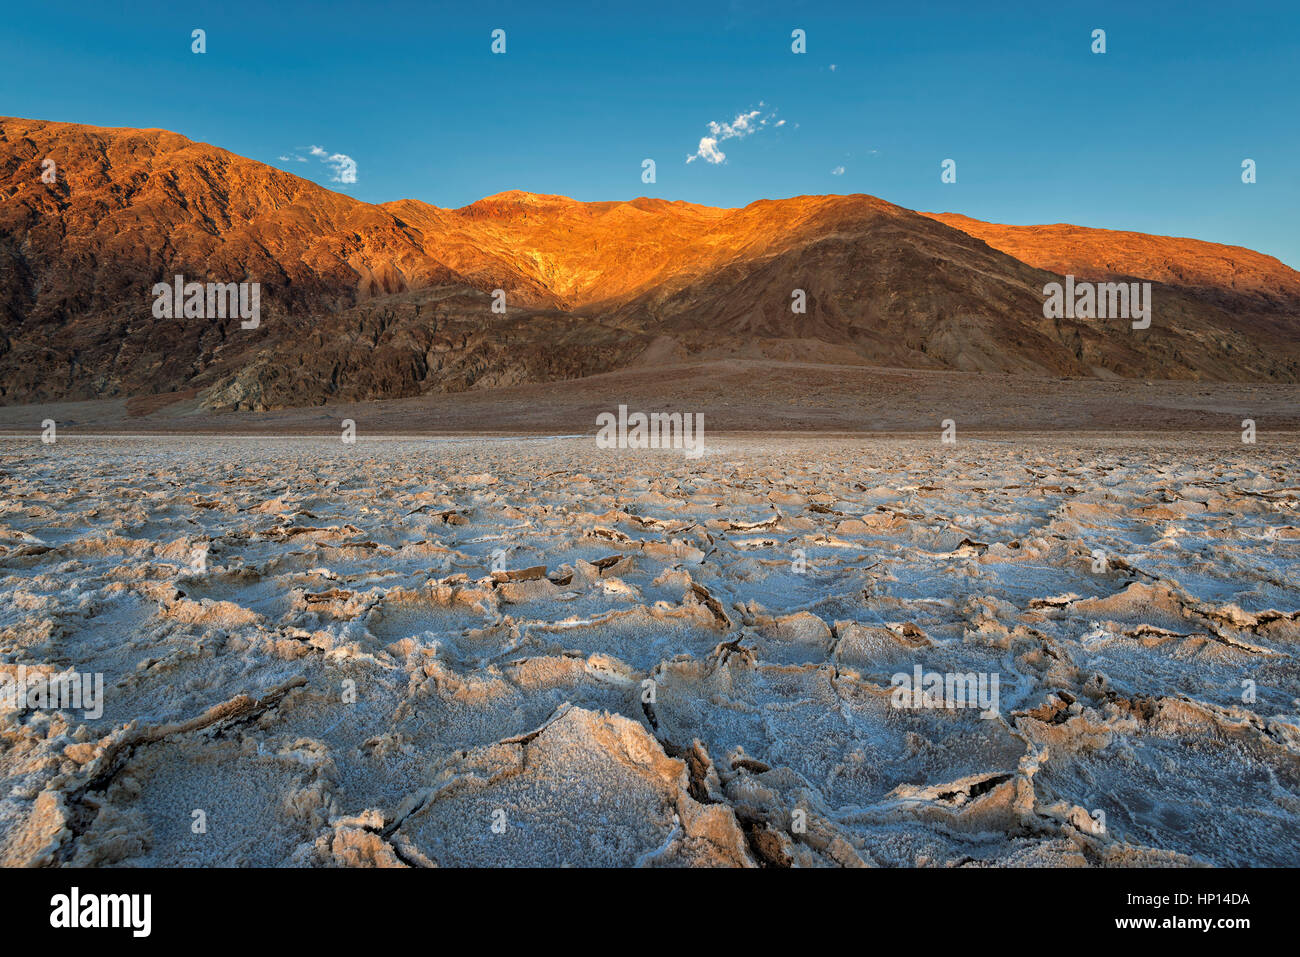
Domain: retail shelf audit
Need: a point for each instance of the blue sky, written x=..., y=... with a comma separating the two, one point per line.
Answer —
x=1148, y=136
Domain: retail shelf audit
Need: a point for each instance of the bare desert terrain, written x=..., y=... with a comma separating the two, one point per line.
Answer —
x=743, y=395
x=529, y=650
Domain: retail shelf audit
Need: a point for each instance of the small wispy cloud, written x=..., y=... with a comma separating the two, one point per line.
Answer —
x=344, y=166
x=745, y=124
x=838, y=171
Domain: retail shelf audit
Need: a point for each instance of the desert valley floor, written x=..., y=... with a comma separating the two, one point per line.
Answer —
x=466, y=651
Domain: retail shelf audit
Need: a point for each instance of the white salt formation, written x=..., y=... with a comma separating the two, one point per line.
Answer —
x=474, y=652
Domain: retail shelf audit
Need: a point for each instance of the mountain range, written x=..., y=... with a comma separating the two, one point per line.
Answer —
x=373, y=301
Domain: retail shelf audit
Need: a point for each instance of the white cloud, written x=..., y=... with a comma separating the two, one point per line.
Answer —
x=832, y=67
x=745, y=124
x=708, y=151
x=345, y=167
x=838, y=171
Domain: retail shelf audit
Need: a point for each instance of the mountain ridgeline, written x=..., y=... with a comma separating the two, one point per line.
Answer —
x=361, y=301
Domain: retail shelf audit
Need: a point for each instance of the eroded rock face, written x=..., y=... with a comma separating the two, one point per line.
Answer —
x=311, y=655
x=367, y=301
x=1240, y=277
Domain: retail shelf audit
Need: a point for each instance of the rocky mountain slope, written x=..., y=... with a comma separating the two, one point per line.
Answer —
x=1231, y=274
x=365, y=301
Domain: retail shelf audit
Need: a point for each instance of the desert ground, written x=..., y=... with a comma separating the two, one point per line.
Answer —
x=734, y=394
x=527, y=650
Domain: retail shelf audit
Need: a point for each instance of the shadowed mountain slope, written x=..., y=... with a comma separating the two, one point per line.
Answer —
x=365, y=301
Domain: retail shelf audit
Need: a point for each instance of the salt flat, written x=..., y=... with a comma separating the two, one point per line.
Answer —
x=535, y=651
